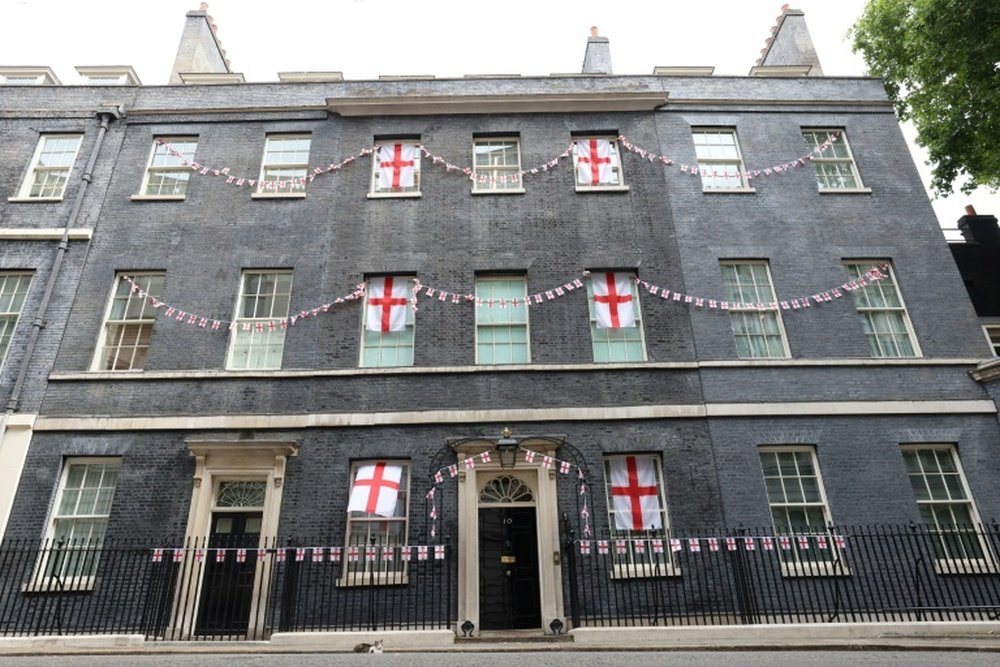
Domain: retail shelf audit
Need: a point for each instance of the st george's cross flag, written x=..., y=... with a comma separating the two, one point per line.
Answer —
x=593, y=162
x=386, y=304
x=613, y=304
x=397, y=166
x=376, y=489
x=634, y=493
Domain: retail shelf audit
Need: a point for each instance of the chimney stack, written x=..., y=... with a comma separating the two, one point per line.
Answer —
x=790, y=44
x=597, y=57
x=981, y=229
x=199, y=51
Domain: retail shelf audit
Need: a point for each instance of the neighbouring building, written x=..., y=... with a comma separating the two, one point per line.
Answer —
x=578, y=349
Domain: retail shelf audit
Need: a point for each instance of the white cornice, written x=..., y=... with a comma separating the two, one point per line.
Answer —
x=231, y=421
x=218, y=374
x=423, y=105
x=45, y=234
x=987, y=371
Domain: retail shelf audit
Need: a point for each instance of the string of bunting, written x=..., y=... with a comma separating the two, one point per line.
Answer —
x=874, y=274
x=267, y=185
x=695, y=544
x=748, y=174
x=529, y=456
x=353, y=554
x=191, y=318
x=211, y=324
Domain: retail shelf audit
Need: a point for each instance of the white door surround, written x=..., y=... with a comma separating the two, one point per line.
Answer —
x=542, y=483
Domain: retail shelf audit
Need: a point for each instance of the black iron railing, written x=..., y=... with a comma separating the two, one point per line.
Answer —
x=856, y=574
x=220, y=592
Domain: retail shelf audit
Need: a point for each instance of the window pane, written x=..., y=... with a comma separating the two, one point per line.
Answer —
x=258, y=339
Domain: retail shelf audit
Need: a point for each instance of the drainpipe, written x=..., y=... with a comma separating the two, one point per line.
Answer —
x=105, y=116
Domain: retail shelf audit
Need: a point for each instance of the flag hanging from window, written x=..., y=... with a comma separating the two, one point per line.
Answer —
x=593, y=162
x=397, y=164
x=376, y=489
x=635, y=494
x=613, y=304
x=386, y=304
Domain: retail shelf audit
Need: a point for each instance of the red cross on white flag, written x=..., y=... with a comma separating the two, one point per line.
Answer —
x=386, y=304
x=593, y=162
x=396, y=166
x=157, y=555
x=241, y=555
x=634, y=492
x=613, y=305
x=376, y=489
x=585, y=547
x=840, y=541
x=694, y=545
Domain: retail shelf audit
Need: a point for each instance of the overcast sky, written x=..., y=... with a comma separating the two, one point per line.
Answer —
x=365, y=38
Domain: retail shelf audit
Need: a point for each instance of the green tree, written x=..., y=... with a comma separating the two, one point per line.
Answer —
x=940, y=61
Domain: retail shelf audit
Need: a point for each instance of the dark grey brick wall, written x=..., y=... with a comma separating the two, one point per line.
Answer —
x=860, y=463
x=664, y=226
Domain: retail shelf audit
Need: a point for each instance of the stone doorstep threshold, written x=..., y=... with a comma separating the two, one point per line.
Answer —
x=922, y=636
x=802, y=633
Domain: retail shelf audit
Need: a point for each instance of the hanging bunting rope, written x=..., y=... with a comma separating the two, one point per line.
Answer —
x=748, y=174
x=650, y=156
x=528, y=456
x=211, y=324
x=875, y=274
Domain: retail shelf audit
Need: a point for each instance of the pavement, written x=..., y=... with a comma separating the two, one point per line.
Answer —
x=950, y=636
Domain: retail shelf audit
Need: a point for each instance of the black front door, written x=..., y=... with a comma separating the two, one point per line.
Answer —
x=508, y=569
x=227, y=586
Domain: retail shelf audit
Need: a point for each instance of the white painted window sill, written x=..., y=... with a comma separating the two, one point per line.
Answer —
x=845, y=191
x=158, y=197
x=394, y=195
x=605, y=188
x=509, y=191
x=24, y=200
x=277, y=195
x=729, y=191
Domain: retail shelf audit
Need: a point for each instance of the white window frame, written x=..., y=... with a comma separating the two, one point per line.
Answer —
x=791, y=563
x=985, y=564
x=42, y=580
x=742, y=311
x=108, y=76
x=35, y=169
x=595, y=331
x=410, y=329
x=494, y=188
x=712, y=163
x=10, y=317
x=292, y=190
x=865, y=312
x=616, y=166
x=240, y=320
x=992, y=333
x=28, y=76
x=667, y=565
x=387, y=573
x=825, y=158
x=147, y=318
x=521, y=307
x=375, y=192
x=174, y=166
